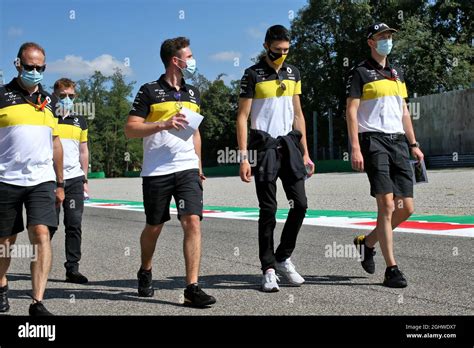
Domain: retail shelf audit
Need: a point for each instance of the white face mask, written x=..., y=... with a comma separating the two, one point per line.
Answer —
x=384, y=47
x=190, y=69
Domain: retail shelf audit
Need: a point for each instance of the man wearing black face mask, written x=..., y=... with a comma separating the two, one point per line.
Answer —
x=31, y=170
x=270, y=96
x=171, y=166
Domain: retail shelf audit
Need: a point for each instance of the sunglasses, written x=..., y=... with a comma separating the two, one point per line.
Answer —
x=31, y=67
x=64, y=95
x=179, y=104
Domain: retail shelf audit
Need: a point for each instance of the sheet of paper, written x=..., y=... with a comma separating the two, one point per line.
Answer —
x=194, y=120
x=419, y=172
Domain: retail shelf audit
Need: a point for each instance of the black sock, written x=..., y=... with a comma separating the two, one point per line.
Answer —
x=392, y=268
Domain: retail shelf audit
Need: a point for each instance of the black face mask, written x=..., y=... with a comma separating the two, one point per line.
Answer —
x=277, y=58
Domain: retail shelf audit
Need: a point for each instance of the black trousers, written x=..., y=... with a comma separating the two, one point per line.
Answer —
x=266, y=194
x=73, y=207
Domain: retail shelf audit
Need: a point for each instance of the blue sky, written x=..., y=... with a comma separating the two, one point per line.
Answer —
x=80, y=36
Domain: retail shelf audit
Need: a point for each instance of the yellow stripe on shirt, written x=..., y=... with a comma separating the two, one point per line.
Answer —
x=271, y=89
x=25, y=114
x=384, y=88
x=69, y=131
x=165, y=110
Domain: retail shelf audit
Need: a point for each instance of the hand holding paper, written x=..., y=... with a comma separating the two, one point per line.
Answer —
x=193, y=120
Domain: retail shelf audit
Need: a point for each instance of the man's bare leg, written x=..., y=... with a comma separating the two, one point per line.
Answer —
x=40, y=268
x=148, y=241
x=404, y=208
x=191, y=246
x=6, y=242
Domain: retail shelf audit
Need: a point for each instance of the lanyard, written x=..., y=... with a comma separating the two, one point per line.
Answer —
x=40, y=105
x=381, y=73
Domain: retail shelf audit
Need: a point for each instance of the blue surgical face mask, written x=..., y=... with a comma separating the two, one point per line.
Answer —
x=190, y=69
x=67, y=103
x=31, y=78
x=384, y=47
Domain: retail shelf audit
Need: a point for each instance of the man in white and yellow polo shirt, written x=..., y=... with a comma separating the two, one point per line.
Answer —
x=73, y=135
x=382, y=137
x=171, y=165
x=29, y=144
x=269, y=95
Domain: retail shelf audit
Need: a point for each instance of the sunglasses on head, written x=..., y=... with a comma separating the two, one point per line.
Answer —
x=31, y=67
x=64, y=95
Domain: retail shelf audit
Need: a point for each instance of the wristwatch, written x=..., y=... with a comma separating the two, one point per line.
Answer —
x=416, y=144
x=60, y=184
x=85, y=181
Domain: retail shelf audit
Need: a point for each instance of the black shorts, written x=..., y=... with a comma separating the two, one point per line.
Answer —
x=184, y=186
x=387, y=163
x=39, y=201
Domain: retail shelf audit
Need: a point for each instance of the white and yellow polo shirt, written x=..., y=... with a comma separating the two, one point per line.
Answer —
x=272, y=104
x=381, y=91
x=26, y=135
x=72, y=132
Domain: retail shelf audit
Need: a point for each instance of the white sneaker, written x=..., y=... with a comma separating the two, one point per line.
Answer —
x=287, y=268
x=269, y=281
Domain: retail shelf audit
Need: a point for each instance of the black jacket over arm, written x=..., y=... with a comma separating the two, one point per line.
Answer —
x=269, y=154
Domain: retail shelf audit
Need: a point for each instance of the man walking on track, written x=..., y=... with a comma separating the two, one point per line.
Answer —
x=31, y=170
x=171, y=165
x=269, y=94
x=382, y=137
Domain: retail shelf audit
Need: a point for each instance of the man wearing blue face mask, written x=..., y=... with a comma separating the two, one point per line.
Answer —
x=31, y=170
x=171, y=165
x=382, y=137
x=73, y=134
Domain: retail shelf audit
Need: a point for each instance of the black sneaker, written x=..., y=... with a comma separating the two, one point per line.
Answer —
x=145, y=285
x=366, y=253
x=4, y=305
x=394, y=278
x=76, y=277
x=195, y=297
x=37, y=309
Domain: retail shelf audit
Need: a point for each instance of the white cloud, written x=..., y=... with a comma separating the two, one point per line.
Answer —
x=75, y=66
x=225, y=56
x=256, y=33
x=14, y=32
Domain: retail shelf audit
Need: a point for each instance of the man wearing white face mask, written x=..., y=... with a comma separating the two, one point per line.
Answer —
x=382, y=137
x=171, y=166
x=31, y=170
x=73, y=134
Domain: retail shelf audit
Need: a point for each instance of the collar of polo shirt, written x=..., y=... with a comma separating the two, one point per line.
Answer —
x=168, y=87
x=378, y=66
